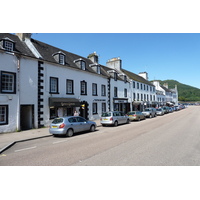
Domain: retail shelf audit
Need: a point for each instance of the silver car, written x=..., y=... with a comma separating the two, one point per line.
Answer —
x=114, y=118
x=160, y=111
x=149, y=112
x=70, y=125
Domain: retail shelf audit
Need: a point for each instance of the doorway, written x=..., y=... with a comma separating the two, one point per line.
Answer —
x=26, y=117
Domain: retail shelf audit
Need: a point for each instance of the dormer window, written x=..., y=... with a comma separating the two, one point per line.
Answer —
x=62, y=59
x=96, y=68
x=59, y=57
x=8, y=44
x=125, y=78
x=80, y=63
x=115, y=76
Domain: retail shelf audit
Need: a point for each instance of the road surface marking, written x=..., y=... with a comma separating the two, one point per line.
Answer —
x=2, y=155
x=25, y=149
x=60, y=141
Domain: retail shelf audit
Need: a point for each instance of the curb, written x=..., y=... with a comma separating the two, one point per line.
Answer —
x=11, y=144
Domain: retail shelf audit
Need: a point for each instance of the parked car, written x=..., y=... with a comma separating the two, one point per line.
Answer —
x=166, y=109
x=136, y=115
x=160, y=111
x=70, y=125
x=149, y=112
x=114, y=118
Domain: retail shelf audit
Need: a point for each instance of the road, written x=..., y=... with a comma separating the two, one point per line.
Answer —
x=169, y=140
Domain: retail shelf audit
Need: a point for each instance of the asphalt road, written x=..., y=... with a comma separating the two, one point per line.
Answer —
x=169, y=140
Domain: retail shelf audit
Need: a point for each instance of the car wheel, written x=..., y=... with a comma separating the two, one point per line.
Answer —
x=138, y=118
x=92, y=128
x=128, y=121
x=116, y=123
x=70, y=132
x=150, y=116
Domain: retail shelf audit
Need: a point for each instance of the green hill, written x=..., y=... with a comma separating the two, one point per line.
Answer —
x=185, y=92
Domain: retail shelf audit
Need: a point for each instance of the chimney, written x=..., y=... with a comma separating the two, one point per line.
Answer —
x=144, y=75
x=114, y=63
x=94, y=57
x=22, y=36
x=165, y=85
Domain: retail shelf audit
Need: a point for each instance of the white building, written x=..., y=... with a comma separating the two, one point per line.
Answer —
x=40, y=82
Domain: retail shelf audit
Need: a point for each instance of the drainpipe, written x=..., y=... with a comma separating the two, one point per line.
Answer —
x=18, y=91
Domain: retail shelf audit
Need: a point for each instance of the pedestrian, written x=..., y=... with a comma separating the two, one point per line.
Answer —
x=76, y=113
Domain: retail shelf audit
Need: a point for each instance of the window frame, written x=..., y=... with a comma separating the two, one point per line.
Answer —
x=94, y=108
x=115, y=92
x=5, y=122
x=69, y=81
x=85, y=88
x=4, y=91
x=103, y=90
x=94, y=89
x=61, y=58
x=125, y=92
x=6, y=46
x=50, y=85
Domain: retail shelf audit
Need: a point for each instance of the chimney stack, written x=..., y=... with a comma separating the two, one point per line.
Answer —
x=94, y=57
x=114, y=63
x=22, y=36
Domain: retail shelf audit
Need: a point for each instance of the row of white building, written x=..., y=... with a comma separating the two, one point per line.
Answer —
x=40, y=82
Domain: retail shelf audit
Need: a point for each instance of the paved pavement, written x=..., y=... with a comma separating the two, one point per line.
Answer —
x=9, y=139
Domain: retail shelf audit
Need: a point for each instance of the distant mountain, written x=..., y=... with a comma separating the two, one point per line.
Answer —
x=185, y=92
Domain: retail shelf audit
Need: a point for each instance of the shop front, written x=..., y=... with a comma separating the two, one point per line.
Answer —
x=60, y=107
x=121, y=104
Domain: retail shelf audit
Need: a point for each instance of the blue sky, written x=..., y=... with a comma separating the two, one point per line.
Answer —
x=163, y=55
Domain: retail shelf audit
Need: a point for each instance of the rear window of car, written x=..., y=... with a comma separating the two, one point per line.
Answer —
x=147, y=109
x=106, y=114
x=57, y=121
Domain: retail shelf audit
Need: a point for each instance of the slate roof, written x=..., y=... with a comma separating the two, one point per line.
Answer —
x=136, y=77
x=20, y=46
x=47, y=51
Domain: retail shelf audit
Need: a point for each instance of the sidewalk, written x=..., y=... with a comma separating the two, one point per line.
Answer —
x=9, y=139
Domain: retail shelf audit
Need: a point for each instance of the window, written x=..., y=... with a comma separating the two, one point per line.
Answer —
x=138, y=97
x=54, y=85
x=115, y=92
x=8, y=82
x=133, y=84
x=141, y=97
x=138, y=86
x=3, y=114
x=83, y=88
x=94, y=89
x=83, y=65
x=8, y=45
x=103, y=107
x=141, y=86
x=80, y=63
x=94, y=108
x=70, y=86
x=115, y=76
x=134, y=97
x=61, y=59
x=103, y=90
x=125, y=92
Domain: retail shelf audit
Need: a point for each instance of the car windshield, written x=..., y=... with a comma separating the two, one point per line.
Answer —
x=159, y=109
x=57, y=121
x=147, y=109
x=106, y=114
x=131, y=113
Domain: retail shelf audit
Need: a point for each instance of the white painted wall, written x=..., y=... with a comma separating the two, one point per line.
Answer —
x=64, y=73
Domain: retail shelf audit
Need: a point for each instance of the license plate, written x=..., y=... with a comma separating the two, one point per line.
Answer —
x=105, y=119
x=54, y=127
